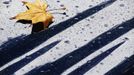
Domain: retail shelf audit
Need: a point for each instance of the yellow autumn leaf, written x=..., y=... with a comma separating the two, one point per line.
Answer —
x=36, y=13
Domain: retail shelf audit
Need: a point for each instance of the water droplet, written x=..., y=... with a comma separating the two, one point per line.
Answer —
x=101, y=63
x=58, y=1
x=122, y=5
x=77, y=6
x=108, y=32
x=57, y=47
x=106, y=25
x=67, y=41
x=1, y=29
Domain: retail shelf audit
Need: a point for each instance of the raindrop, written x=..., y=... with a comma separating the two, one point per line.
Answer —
x=59, y=54
x=92, y=17
x=70, y=56
x=101, y=63
x=126, y=57
x=67, y=15
x=58, y=1
x=77, y=6
x=62, y=17
x=62, y=5
x=75, y=46
x=89, y=61
x=122, y=5
x=42, y=71
x=28, y=57
x=1, y=29
x=67, y=41
x=99, y=38
x=82, y=28
x=102, y=17
x=57, y=47
x=91, y=32
x=90, y=5
x=121, y=27
x=108, y=32
x=106, y=25
x=76, y=18
x=126, y=38
x=85, y=40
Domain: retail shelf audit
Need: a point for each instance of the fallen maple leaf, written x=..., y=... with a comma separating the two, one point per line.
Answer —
x=36, y=13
